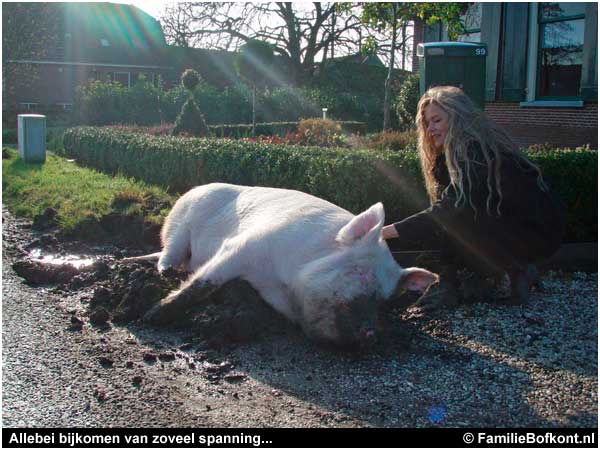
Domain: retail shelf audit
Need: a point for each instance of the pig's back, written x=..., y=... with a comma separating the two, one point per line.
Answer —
x=272, y=220
x=285, y=204
x=258, y=206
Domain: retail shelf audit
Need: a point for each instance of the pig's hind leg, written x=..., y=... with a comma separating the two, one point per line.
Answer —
x=223, y=267
x=176, y=251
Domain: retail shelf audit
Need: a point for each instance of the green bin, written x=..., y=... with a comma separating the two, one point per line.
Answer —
x=460, y=64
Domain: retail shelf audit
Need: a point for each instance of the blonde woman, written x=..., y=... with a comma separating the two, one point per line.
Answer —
x=489, y=202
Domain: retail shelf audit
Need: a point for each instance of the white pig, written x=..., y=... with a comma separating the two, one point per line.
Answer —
x=314, y=262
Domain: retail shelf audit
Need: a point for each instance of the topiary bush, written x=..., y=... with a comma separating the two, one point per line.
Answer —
x=190, y=79
x=190, y=119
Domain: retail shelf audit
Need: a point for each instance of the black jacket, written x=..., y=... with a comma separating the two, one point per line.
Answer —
x=530, y=226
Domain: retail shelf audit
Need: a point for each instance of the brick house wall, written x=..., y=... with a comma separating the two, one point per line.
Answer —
x=418, y=37
x=56, y=83
x=505, y=28
x=560, y=127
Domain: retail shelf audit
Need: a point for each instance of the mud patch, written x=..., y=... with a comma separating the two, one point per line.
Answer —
x=232, y=315
x=46, y=220
x=122, y=292
x=120, y=229
x=37, y=272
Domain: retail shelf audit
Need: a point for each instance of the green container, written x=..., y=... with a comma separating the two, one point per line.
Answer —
x=460, y=64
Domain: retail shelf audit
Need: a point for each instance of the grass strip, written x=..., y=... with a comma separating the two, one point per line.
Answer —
x=77, y=194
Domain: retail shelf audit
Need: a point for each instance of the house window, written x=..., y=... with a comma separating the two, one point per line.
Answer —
x=560, y=50
x=29, y=106
x=64, y=106
x=123, y=77
x=472, y=22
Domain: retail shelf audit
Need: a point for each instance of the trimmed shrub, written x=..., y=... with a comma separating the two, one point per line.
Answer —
x=319, y=132
x=393, y=140
x=407, y=101
x=330, y=173
x=242, y=130
x=190, y=79
x=262, y=129
x=352, y=179
x=574, y=175
x=190, y=119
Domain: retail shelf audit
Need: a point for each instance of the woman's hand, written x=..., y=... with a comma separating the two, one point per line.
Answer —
x=389, y=232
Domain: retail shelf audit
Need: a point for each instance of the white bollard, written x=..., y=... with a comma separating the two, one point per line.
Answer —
x=32, y=137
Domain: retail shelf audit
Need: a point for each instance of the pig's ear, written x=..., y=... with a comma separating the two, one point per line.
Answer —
x=416, y=279
x=367, y=223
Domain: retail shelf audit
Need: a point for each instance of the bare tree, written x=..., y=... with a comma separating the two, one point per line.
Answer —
x=299, y=32
x=392, y=16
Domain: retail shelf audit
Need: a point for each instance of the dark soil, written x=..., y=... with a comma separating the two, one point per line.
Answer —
x=122, y=292
x=231, y=315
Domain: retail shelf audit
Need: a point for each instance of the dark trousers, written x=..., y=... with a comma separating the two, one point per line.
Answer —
x=488, y=246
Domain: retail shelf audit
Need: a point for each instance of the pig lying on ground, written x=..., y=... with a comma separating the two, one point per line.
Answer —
x=317, y=264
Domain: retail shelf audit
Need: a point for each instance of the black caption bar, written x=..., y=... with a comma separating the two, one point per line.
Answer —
x=295, y=438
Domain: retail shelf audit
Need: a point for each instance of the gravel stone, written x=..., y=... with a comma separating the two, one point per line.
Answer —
x=99, y=316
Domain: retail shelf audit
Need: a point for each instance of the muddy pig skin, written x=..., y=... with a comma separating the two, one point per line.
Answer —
x=314, y=262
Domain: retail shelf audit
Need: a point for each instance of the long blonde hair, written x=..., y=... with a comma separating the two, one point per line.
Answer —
x=466, y=125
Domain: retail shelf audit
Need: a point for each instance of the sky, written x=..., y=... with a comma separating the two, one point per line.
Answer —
x=152, y=7
x=156, y=8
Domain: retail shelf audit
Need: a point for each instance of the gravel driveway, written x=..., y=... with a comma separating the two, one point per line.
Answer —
x=471, y=366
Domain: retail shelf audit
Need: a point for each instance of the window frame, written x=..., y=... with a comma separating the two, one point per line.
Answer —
x=538, y=60
x=122, y=73
x=469, y=31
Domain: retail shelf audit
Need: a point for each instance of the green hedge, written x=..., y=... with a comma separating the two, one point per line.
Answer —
x=352, y=179
x=54, y=137
x=245, y=130
x=574, y=175
x=277, y=129
x=100, y=103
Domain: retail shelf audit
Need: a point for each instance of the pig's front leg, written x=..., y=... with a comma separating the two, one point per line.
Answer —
x=170, y=308
x=201, y=285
